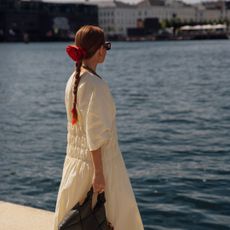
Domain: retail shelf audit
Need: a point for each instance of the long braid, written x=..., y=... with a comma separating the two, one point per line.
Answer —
x=76, y=83
x=88, y=40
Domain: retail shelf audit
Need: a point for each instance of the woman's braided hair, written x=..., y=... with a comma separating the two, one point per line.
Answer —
x=89, y=38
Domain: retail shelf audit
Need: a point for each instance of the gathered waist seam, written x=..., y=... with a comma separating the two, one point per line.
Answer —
x=78, y=158
x=90, y=162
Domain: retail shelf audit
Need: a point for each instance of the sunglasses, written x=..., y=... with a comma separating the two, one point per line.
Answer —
x=107, y=45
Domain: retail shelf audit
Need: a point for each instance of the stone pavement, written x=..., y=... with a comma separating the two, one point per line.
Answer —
x=18, y=217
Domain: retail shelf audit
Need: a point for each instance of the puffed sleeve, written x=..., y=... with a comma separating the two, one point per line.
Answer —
x=99, y=117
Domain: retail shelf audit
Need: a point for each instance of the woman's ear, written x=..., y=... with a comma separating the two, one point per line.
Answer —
x=100, y=51
x=100, y=54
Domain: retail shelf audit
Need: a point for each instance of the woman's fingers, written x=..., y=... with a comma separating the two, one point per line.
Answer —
x=98, y=188
x=98, y=182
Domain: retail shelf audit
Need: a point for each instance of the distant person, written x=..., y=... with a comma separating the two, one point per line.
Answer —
x=93, y=156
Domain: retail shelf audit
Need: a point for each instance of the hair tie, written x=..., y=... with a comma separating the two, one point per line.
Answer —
x=75, y=52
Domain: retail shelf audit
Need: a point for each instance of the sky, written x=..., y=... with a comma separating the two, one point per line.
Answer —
x=128, y=1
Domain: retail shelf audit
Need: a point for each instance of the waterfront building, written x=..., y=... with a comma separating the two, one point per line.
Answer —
x=166, y=9
x=209, y=11
x=43, y=21
x=116, y=17
x=38, y=20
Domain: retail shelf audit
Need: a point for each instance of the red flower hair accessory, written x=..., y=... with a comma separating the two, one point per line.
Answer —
x=75, y=52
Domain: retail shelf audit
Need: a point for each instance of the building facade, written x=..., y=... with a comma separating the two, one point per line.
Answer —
x=116, y=17
x=43, y=21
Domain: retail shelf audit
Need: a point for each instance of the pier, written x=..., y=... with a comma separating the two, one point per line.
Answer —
x=14, y=217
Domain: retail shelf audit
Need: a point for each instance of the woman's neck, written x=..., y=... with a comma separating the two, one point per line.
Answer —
x=92, y=66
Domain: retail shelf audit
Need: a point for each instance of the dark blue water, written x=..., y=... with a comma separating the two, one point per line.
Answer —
x=173, y=117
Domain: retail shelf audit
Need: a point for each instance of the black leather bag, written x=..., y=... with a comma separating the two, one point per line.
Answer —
x=84, y=217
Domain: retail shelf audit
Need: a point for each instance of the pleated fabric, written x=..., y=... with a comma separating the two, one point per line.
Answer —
x=96, y=128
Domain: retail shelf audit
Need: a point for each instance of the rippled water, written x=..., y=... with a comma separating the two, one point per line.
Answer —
x=173, y=117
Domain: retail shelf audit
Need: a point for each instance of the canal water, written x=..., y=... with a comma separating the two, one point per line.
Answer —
x=173, y=119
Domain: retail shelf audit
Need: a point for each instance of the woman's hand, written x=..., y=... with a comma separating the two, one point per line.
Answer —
x=98, y=182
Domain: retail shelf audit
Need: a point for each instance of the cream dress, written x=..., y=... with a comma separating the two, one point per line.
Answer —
x=96, y=128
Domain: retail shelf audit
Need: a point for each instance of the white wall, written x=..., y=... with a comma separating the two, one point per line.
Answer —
x=116, y=20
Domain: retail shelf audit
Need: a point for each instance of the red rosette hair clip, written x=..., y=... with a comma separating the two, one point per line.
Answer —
x=75, y=52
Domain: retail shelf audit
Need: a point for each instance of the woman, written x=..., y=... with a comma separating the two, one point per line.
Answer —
x=93, y=156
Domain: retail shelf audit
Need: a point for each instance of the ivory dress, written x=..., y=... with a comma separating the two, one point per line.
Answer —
x=96, y=128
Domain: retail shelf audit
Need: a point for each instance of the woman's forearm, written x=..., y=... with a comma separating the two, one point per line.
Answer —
x=97, y=161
